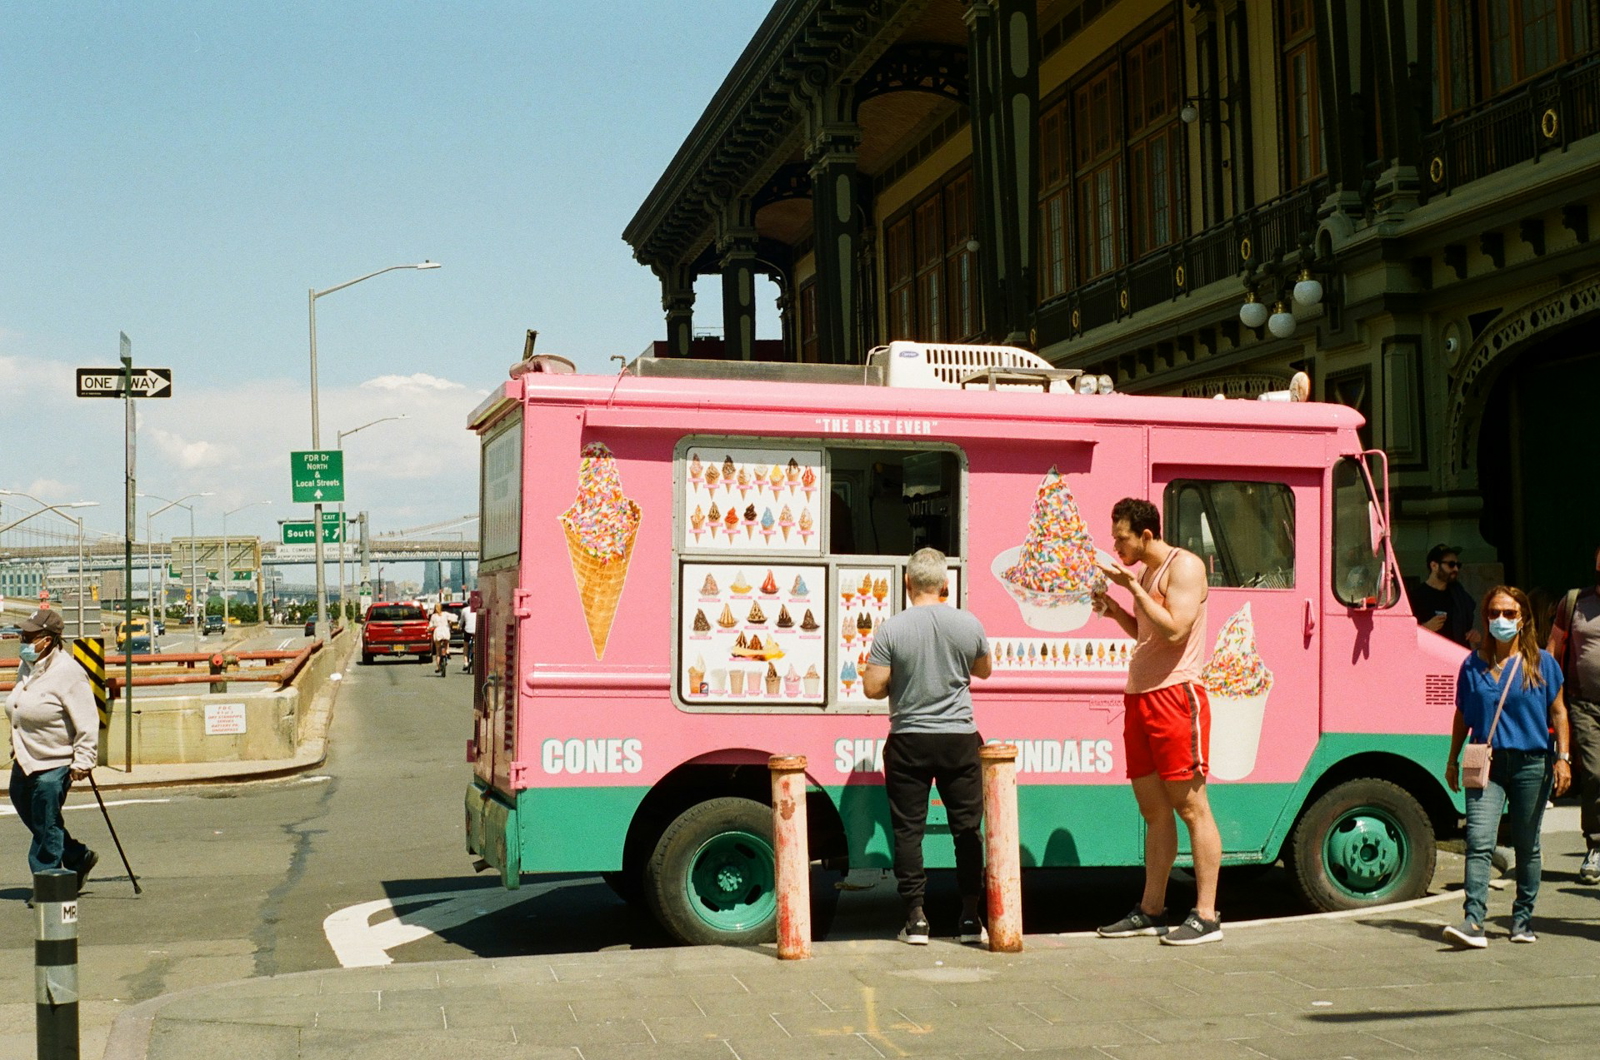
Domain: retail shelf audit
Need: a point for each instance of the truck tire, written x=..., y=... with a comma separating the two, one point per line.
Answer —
x=1366, y=842
x=366, y=658
x=711, y=878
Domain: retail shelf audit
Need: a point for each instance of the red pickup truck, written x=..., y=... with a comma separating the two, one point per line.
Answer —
x=395, y=629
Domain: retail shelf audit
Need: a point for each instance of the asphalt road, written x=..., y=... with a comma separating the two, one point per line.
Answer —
x=239, y=880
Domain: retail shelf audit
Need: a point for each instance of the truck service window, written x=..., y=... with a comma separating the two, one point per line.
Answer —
x=1244, y=531
x=891, y=502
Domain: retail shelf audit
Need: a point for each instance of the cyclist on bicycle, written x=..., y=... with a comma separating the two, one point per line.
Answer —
x=439, y=629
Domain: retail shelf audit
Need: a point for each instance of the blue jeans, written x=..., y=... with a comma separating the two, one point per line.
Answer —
x=1522, y=779
x=38, y=800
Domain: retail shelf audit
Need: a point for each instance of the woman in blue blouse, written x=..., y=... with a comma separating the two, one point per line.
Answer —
x=1521, y=770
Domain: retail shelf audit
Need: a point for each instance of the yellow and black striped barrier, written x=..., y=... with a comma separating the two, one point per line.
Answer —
x=91, y=655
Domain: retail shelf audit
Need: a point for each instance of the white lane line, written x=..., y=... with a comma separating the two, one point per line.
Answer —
x=359, y=943
x=7, y=811
x=284, y=644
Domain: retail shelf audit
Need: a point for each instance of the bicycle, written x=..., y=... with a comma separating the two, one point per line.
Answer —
x=441, y=656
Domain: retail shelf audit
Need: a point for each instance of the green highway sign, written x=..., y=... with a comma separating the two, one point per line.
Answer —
x=299, y=533
x=317, y=477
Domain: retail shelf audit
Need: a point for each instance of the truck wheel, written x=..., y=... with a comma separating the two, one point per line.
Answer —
x=711, y=878
x=1364, y=843
x=366, y=658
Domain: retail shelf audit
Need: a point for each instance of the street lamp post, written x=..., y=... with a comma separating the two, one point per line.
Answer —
x=194, y=554
x=59, y=509
x=316, y=431
x=343, y=534
x=227, y=564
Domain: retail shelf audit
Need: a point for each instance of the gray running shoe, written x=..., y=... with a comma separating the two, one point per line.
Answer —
x=1137, y=922
x=1467, y=934
x=1523, y=933
x=1589, y=871
x=1194, y=931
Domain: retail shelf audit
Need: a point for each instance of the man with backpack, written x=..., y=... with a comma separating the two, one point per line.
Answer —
x=1575, y=642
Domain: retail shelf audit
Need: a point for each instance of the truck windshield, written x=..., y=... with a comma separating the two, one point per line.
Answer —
x=1360, y=575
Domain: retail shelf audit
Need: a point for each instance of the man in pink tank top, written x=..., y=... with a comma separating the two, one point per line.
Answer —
x=1166, y=721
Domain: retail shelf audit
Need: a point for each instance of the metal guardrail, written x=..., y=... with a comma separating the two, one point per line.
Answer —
x=292, y=662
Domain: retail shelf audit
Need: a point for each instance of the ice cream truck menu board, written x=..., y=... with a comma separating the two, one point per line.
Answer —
x=752, y=635
x=864, y=598
x=752, y=500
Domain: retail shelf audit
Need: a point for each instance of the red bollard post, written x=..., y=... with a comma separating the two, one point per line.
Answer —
x=1003, y=860
x=791, y=855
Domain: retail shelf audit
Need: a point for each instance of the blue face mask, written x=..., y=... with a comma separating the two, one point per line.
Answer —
x=1504, y=630
x=29, y=654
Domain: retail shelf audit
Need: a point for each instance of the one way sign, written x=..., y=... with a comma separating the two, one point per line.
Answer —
x=107, y=382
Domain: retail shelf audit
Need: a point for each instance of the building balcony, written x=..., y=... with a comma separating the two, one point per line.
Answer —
x=1544, y=116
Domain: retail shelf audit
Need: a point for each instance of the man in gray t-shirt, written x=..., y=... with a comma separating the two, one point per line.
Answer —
x=923, y=661
x=1575, y=642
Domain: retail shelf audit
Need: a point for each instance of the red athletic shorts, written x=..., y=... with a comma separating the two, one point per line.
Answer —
x=1167, y=731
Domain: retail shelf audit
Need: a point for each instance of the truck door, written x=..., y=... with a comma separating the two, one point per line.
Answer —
x=1258, y=531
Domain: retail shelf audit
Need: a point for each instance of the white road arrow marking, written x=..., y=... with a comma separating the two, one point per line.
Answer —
x=359, y=943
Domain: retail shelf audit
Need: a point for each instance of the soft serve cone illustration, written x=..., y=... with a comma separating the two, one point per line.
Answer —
x=1237, y=682
x=1052, y=576
x=600, y=527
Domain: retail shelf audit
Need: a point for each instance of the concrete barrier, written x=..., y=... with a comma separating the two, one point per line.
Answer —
x=254, y=723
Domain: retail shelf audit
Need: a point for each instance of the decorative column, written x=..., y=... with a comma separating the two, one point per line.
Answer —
x=677, y=298
x=1404, y=92
x=836, y=225
x=1344, y=79
x=1004, y=45
x=736, y=246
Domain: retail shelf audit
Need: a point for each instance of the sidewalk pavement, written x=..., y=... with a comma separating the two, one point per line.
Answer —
x=1375, y=984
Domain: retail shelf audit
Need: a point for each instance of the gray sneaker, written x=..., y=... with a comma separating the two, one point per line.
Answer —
x=1137, y=922
x=1523, y=933
x=1467, y=934
x=1589, y=871
x=1194, y=931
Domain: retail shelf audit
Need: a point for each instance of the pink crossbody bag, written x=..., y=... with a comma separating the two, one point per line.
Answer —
x=1475, y=757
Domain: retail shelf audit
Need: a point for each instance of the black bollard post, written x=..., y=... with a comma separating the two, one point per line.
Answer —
x=55, y=963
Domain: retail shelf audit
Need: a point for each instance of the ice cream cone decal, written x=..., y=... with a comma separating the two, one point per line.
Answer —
x=600, y=529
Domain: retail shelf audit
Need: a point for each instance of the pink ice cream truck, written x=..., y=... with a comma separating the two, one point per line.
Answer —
x=683, y=566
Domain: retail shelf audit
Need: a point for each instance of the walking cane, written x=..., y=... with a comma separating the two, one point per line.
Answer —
x=96, y=789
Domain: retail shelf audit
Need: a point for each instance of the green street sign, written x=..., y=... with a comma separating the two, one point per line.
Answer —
x=243, y=575
x=299, y=533
x=317, y=477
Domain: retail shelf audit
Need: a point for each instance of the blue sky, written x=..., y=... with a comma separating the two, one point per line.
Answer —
x=185, y=172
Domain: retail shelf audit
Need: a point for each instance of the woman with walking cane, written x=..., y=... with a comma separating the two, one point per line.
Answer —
x=54, y=738
x=1508, y=697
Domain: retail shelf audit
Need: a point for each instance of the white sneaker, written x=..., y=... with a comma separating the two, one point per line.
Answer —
x=1589, y=871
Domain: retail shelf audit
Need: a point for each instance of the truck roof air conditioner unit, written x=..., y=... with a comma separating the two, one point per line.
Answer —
x=943, y=366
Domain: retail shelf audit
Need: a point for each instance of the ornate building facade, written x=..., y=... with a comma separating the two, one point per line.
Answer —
x=1193, y=197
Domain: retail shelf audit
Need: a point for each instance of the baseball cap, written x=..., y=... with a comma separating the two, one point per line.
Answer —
x=1437, y=553
x=42, y=620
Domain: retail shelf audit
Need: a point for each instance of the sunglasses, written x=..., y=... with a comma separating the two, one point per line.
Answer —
x=1453, y=564
x=1503, y=612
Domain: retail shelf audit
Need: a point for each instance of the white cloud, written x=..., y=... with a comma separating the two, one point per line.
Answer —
x=416, y=381
x=229, y=432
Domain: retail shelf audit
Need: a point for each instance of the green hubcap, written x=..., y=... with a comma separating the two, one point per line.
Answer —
x=1366, y=853
x=731, y=885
